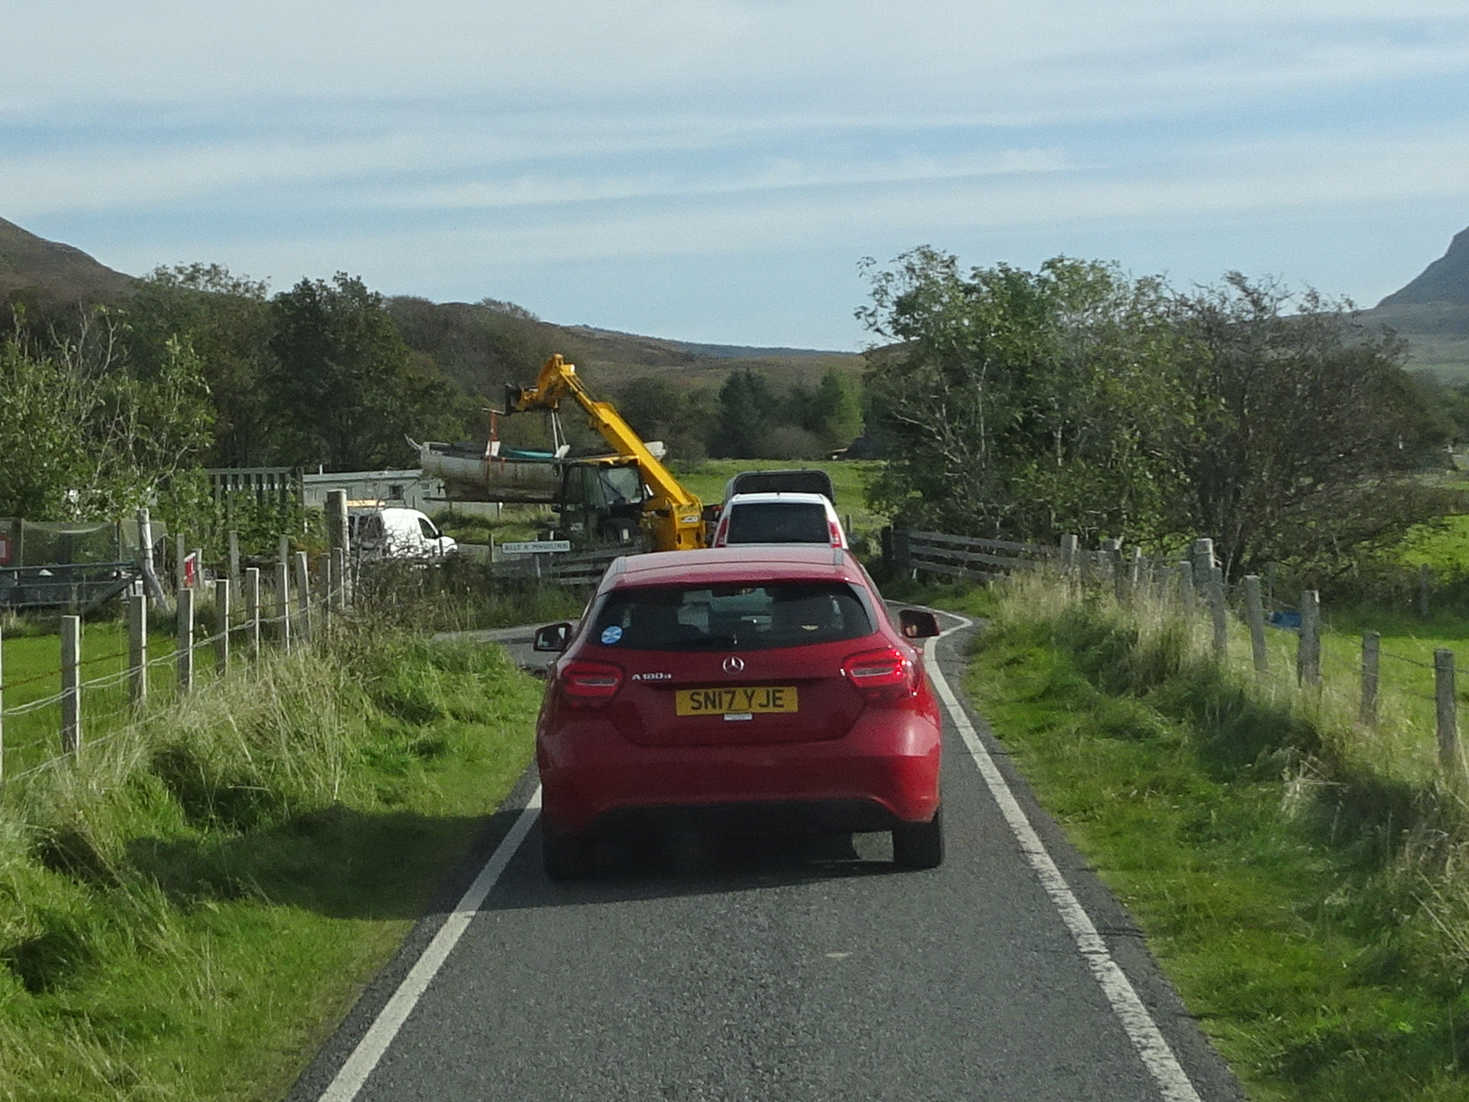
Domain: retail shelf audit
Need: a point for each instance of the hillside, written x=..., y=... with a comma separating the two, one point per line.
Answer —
x=478, y=346
x=1445, y=280
x=1431, y=312
x=481, y=346
x=53, y=273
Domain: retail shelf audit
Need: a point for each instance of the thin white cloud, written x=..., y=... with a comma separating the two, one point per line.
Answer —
x=714, y=52
x=1242, y=180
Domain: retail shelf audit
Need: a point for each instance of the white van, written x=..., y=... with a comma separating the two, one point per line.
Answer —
x=395, y=532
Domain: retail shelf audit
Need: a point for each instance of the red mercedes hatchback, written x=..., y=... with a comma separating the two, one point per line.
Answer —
x=760, y=684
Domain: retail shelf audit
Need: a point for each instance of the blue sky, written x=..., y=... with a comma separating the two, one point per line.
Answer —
x=714, y=170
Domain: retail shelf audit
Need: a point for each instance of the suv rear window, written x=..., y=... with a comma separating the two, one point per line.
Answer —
x=754, y=616
x=777, y=522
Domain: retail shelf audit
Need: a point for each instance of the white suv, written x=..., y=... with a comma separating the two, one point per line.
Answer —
x=779, y=518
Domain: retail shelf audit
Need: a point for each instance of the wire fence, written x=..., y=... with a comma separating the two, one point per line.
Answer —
x=51, y=714
x=1407, y=701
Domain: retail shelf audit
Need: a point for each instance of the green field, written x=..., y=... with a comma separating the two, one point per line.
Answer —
x=32, y=673
x=849, y=478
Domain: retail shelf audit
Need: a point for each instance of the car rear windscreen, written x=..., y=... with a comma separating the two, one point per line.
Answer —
x=752, y=616
x=777, y=522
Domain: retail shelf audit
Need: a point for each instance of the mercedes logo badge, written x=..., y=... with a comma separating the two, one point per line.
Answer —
x=733, y=664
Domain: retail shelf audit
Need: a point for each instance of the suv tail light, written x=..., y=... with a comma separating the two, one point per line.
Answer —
x=836, y=533
x=885, y=674
x=590, y=684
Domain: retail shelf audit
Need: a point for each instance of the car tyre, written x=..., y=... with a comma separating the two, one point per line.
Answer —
x=920, y=845
x=565, y=856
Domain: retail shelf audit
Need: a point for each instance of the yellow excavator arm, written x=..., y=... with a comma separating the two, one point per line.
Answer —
x=674, y=516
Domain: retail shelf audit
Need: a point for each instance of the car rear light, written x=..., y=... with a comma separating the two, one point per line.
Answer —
x=590, y=684
x=836, y=533
x=721, y=531
x=885, y=674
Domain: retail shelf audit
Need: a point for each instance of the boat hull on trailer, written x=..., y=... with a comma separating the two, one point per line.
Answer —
x=519, y=477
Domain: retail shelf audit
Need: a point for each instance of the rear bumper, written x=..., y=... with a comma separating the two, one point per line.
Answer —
x=884, y=772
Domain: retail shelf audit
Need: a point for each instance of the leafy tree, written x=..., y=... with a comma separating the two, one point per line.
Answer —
x=1310, y=433
x=658, y=410
x=790, y=442
x=1073, y=399
x=649, y=404
x=226, y=320
x=86, y=435
x=480, y=347
x=746, y=414
x=43, y=443
x=344, y=389
x=831, y=411
x=1021, y=403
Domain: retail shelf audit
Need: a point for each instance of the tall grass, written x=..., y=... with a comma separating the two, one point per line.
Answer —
x=1300, y=874
x=186, y=908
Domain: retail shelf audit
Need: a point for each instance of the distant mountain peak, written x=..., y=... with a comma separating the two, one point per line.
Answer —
x=1445, y=280
x=55, y=271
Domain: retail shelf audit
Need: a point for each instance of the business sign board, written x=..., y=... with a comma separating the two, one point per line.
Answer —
x=534, y=547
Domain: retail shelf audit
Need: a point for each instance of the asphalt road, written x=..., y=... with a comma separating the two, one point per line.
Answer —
x=756, y=972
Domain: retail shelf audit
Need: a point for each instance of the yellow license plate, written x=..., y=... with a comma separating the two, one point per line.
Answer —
x=755, y=700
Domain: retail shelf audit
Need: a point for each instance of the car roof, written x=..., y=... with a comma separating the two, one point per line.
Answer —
x=795, y=561
x=766, y=496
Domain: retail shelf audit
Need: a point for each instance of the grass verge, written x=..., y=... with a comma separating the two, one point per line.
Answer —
x=189, y=909
x=1305, y=897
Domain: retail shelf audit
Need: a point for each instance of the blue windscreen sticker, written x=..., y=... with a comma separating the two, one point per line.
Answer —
x=611, y=635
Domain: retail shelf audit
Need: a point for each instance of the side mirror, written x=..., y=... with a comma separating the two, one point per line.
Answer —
x=552, y=637
x=917, y=624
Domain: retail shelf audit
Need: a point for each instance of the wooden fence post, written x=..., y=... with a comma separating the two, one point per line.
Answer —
x=138, y=648
x=1203, y=560
x=1255, y=613
x=1068, y=552
x=1219, y=609
x=1113, y=550
x=1186, y=585
x=1371, y=653
x=252, y=612
x=339, y=572
x=2, y=705
x=222, y=607
x=339, y=536
x=1448, y=720
x=1308, y=650
x=283, y=604
x=71, y=685
x=324, y=568
x=902, y=551
x=186, y=640
x=1135, y=570
x=234, y=557
x=303, y=597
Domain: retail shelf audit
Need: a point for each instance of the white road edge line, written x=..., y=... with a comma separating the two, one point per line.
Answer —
x=1156, y=1056
x=353, y=1074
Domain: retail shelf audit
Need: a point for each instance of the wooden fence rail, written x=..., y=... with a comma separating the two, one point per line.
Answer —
x=1194, y=583
x=961, y=556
